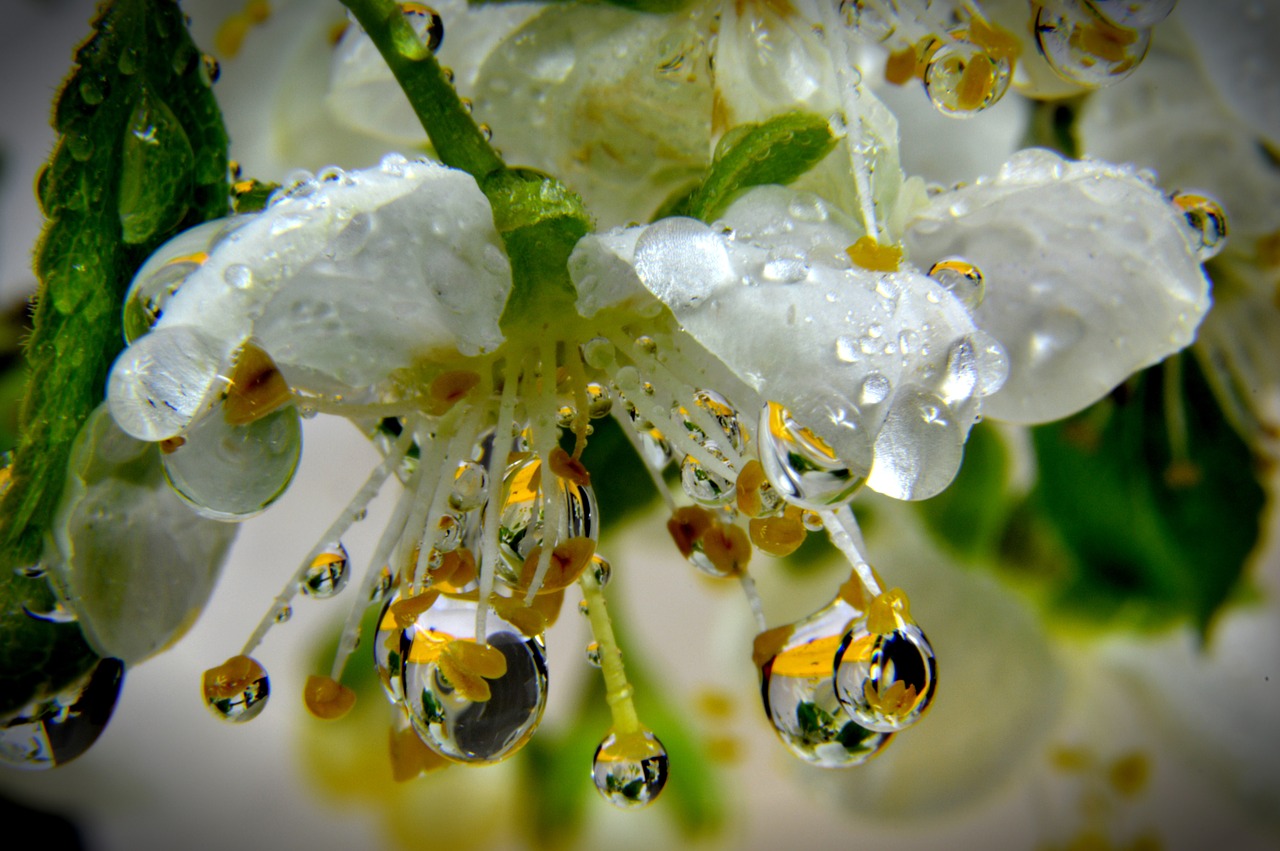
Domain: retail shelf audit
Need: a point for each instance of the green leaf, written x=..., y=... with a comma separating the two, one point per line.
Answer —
x=1155, y=500
x=969, y=517
x=776, y=151
x=141, y=154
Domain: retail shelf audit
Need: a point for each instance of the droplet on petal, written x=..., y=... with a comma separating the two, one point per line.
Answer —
x=237, y=690
x=800, y=465
x=960, y=278
x=53, y=731
x=630, y=769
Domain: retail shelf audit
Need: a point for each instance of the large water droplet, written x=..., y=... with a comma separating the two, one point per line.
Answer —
x=630, y=769
x=886, y=680
x=1207, y=221
x=521, y=528
x=231, y=472
x=470, y=486
x=53, y=731
x=155, y=170
x=960, y=278
x=962, y=79
x=165, y=271
x=800, y=466
x=1083, y=47
x=918, y=448
x=447, y=677
x=796, y=666
x=328, y=573
x=237, y=690
x=1134, y=14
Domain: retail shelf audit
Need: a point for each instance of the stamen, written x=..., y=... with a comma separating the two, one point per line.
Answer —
x=552, y=505
x=618, y=691
x=497, y=462
x=843, y=530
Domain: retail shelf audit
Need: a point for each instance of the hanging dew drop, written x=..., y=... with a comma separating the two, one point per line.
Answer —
x=471, y=702
x=962, y=79
x=801, y=466
x=426, y=22
x=796, y=664
x=599, y=402
x=52, y=731
x=885, y=669
x=328, y=573
x=284, y=614
x=702, y=485
x=237, y=690
x=470, y=487
x=1083, y=47
x=1134, y=14
x=599, y=570
x=165, y=271
x=593, y=654
x=960, y=278
x=630, y=769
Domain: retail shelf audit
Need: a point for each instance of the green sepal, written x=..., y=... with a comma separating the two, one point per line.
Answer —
x=776, y=151
x=540, y=221
x=141, y=154
x=1155, y=502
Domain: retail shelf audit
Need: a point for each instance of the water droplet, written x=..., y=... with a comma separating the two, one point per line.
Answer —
x=92, y=89
x=128, y=61
x=630, y=769
x=960, y=278
x=962, y=79
x=231, y=472
x=80, y=145
x=427, y=23
x=1134, y=14
x=918, y=449
x=210, y=70
x=886, y=679
x=237, y=690
x=470, y=486
x=284, y=614
x=155, y=170
x=593, y=653
x=31, y=571
x=328, y=573
x=381, y=588
x=872, y=19
x=584, y=608
x=702, y=485
x=55, y=613
x=1083, y=47
x=874, y=390
x=847, y=350
x=796, y=664
x=785, y=265
x=53, y=731
x=599, y=570
x=165, y=271
x=1207, y=221
x=184, y=59
x=473, y=703
x=522, y=513
x=800, y=466
x=599, y=402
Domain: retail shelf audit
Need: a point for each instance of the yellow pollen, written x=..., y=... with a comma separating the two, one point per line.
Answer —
x=687, y=526
x=715, y=703
x=527, y=619
x=406, y=611
x=728, y=548
x=257, y=388
x=457, y=569
x=998, y=42
x=976, y=84
x=888, y=612
x=231, y=677
x=748, y=486
x=327, y=699
x=853, y=593
x=777, y=536
x=874, y=257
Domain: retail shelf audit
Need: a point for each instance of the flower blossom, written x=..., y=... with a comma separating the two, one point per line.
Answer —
x=809, y=340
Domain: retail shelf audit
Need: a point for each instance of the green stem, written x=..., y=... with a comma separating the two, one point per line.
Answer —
x=454, y=134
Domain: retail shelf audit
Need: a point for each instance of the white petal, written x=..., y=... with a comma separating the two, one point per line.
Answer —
x=1089, y=274
x=345, y=282
x=1236, y=42
x=615, y=103
x=887, y=368
x=1167, y=117
x=602, y=267
x=132, y=561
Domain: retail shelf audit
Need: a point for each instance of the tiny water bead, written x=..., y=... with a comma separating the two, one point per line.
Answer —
x=1207, y=220
x=237, y=690
x=630, y=769
x=52, y=731
x=885, y=671
x=962, y=79
x=328, y=573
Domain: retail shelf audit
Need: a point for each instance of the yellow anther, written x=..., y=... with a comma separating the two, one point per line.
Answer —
x=750, y=481
x=457, y=570
x=327, y=699
x=231, y=678
x=1106, y=42
x=888, y=611
x=568, y=560
x=728, y=549
x=467, y=665
x=410, y=756
x=687, y=526
x=568, y=468
x=998, y=42
x=976, y=85
x=769, y=643
x=230, y=36
x=448, y=387
x=416, y=9
x=407, y=611
x=874, y=257
x=894, y=699
x=257, y=388
x=257, y=11
x=199, y=258
x=635, y=746
x=854, y=593
x=777, y=536
x=1129, y=774
x=171, y=445
x=548, y=605
x=716, y=703
x=527, y=619
x=240, y=187
x=900, y=67
x=813, y=659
